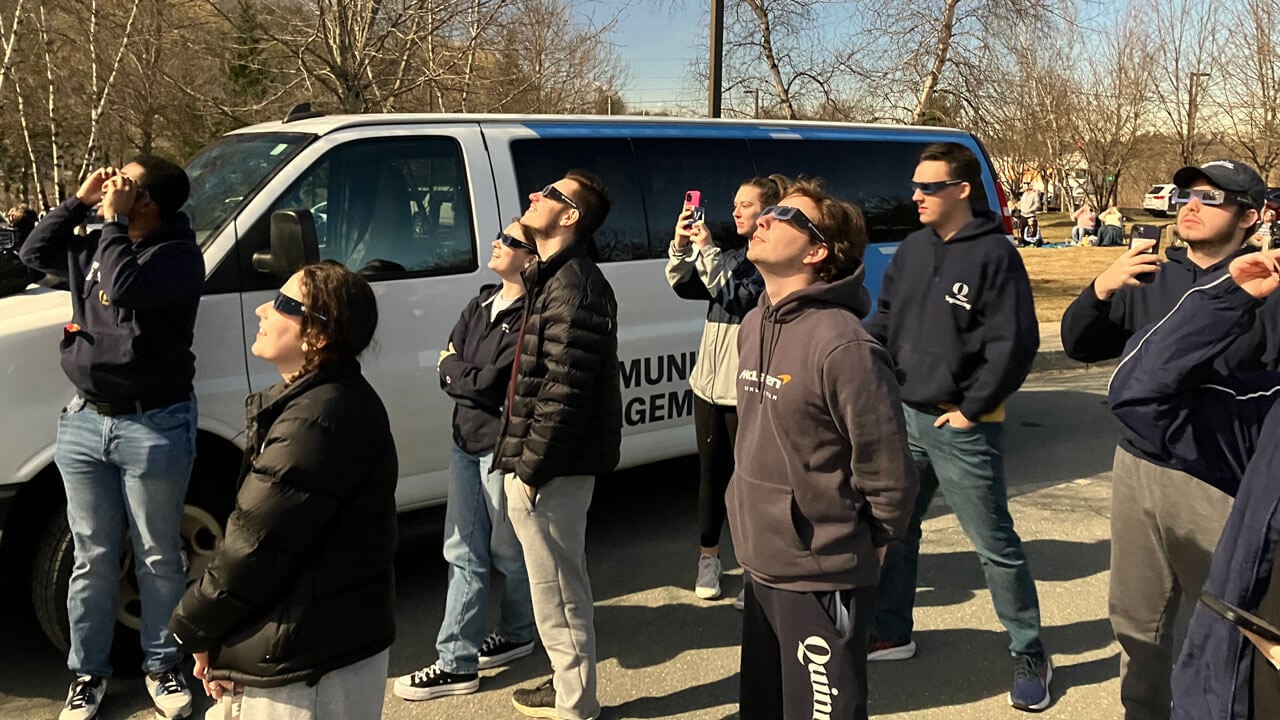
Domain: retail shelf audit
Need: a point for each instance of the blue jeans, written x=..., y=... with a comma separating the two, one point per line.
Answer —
x=124, y=474
x=477, y=535
x=968, y=466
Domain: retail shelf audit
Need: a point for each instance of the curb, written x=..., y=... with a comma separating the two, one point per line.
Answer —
x=1055, y=360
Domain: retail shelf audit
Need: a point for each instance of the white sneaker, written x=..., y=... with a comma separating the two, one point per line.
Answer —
x=708, y=585
x=169, y=693
x=741, y=601
x=84, y=697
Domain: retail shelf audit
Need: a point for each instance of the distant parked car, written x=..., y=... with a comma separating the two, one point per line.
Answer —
x=1159, y=200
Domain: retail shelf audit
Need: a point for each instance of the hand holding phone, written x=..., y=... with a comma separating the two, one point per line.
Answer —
x=1241, y=618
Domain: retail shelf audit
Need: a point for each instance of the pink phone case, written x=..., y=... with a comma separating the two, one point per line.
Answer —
x=693, y=198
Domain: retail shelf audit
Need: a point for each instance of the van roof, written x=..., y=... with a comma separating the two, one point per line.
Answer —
x=607, y=124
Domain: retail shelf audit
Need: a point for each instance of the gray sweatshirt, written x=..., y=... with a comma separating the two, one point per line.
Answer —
x=823, y=474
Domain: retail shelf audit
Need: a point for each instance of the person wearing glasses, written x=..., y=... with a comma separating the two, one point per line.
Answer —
x=127, y=440
x=955, y=311
x=699, y=268
x=562, y=426
x=1164, y=522
x=297, y=606
x=823, y=479
x=475, y=370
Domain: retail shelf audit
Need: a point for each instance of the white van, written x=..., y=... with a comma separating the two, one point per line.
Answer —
x=415, y=201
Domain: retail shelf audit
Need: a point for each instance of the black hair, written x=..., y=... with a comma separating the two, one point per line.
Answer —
x=593, y=202
x=165, y=181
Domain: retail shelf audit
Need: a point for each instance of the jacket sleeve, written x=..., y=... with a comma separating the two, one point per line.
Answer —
x=483, y=385
x=1091, y=328
x=579, y=334
x=48, y=246
x=172, y=271
x=683, y=276
x=862, y=396
x=1167, y=392
x=293, y=489
x=1011, y=336
x=878, y=324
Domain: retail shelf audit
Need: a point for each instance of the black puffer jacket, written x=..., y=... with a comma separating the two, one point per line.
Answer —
x=303, y=583
x=564, y=409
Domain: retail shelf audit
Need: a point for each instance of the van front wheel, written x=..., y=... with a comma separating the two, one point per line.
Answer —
x=51, y=576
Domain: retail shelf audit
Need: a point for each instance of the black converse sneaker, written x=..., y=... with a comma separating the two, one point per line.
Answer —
x=497, y=650
x=434, y=681
x=83, y=698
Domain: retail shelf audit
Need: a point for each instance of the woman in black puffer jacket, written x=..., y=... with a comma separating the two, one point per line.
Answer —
x=297, y=604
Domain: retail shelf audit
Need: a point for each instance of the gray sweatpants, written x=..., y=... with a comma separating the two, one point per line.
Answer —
x=1164, y=527
x=354, y=692
x=553, y=532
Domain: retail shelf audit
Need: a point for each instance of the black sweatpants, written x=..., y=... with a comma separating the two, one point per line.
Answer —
x=795, y=664
x=716, y=425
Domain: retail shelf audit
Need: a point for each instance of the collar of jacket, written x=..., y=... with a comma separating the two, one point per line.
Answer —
x=176, y=228
x=537, y=274
x=267, y=405
x=1178, y=254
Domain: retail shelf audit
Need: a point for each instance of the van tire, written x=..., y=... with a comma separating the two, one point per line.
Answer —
x=202, y=532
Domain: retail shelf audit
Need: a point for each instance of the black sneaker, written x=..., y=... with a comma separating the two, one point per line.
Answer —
x=169, y=693
x=537, y=702
x=83, y=698
x=497, y=650
x=1032, y=673
x=434, y=681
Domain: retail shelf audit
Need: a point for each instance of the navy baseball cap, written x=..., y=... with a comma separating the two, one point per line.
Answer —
x=1226, y=175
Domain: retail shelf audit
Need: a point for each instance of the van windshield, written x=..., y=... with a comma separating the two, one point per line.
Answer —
x=228, y=173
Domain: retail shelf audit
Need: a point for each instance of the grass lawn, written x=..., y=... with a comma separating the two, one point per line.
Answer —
x=1059, y=274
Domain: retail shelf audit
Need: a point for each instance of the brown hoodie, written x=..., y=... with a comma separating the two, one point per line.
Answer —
x=823, y=474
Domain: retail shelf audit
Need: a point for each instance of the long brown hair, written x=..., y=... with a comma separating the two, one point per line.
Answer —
x=341, y=317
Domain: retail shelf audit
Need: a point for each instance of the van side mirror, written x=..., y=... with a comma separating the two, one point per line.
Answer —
x=293, y=244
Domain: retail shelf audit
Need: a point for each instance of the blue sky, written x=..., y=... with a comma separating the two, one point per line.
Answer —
x=657, y=44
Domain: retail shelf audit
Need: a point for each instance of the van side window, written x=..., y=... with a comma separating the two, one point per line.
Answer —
x=716, y=168
x=397, y=206
x=873, y=174
x=542, y=161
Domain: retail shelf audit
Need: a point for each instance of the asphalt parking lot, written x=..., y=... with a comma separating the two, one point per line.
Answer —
x=665, y=654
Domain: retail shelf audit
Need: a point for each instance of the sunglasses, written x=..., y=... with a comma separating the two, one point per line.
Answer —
x=551, y=192
x=286, y=305
x=516, y=243
x=1211, y=196
x=933, y=188
x=793, y=216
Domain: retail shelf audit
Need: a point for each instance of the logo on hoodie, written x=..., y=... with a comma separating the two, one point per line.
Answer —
x=960, y=296
x=814, y=653
x=770, y=382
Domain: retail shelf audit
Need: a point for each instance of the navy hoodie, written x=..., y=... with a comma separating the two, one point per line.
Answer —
x=477, y=374
x=1220, y=429
x=133, y=307
x=1095, y=330
x=958, y=317
x=822, y=472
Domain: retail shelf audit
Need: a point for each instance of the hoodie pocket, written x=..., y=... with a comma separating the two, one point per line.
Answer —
x=765, y=535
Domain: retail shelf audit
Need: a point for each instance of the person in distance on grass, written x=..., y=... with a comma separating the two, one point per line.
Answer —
x=1165, y=523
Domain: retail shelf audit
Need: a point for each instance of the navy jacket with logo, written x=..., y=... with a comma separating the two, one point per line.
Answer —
x=958, y=317
x=477, y=375
x=1219, y=428
x=134, y=305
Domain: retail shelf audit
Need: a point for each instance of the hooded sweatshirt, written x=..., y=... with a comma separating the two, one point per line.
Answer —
x=958, y=317
x=823, y=475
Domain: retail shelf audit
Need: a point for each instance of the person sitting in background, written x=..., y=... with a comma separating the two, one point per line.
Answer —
x=298, y=604
x=1086, y=224
x=1112, y=233
x=1265, y=231
x=1031, y=233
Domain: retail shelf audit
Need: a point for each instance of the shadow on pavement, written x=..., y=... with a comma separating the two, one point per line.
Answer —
x=680, y=703
x=951, y=578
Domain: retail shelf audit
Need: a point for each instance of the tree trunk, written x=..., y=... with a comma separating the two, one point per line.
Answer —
x=939, y=62
x=766, y=47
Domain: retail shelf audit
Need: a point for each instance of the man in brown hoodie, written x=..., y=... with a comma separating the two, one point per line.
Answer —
x=823, y=478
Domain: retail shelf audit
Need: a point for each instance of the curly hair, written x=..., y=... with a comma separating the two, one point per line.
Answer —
x=841, y=222
x=341, y=317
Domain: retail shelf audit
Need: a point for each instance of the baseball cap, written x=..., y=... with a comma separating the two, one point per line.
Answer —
x=1226, y=175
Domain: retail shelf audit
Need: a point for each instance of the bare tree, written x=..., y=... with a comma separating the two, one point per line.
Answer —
x=1186, y=66
x=1250, y=109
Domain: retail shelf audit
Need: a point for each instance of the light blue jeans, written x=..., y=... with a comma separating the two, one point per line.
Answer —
x=124, y=475
x=478, y=535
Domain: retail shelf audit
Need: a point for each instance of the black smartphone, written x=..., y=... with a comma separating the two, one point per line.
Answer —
x=1241, y=618
x=1273, y=242
x=1135, y=237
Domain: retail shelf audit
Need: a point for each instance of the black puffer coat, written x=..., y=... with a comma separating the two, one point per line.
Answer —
x=564, y=409
x=303, y=583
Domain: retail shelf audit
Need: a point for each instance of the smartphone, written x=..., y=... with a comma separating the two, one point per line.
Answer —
x=1241, y=618
x=1273, y=241
x=693, y=201
x=1153, y=250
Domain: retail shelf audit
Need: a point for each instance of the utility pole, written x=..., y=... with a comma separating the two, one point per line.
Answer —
x=1188, y=145
x=717, y=58
x=755, y=94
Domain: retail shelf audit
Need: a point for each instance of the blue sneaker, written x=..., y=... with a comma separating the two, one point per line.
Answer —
x=1032, y=673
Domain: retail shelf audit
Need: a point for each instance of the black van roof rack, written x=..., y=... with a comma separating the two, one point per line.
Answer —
x=302, y=111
